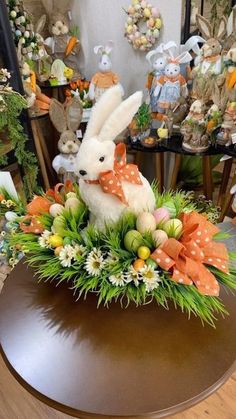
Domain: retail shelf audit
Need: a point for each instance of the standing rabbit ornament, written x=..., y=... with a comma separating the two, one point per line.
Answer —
x=108, y=185
x=105, y=77
x=157, y=59
x=66, y=119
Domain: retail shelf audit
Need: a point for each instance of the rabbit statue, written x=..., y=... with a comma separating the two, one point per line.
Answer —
x=60, y=45
x=157, y=59
x=172, y=85
x=107, y=184
x=66, y=119
x=105, y=78
x=206, y=74
x=41, y=57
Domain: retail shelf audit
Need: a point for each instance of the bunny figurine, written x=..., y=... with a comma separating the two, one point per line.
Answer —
x=108, y=185
x=105, y=78
x=41, y=57
x=172, y=85
x=60, y=45
x=206, y=74
x=231, y=39
x=66, y=119
x=157, y=59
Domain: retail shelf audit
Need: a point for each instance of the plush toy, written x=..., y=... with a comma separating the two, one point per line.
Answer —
x=157, y=59
x=205, y=75
x=108, y=185
x=105, y=78
x=60, y=45
x=172, y=85
x=66, y=119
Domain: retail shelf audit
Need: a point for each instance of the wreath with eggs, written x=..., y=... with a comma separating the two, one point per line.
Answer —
x=142, y=12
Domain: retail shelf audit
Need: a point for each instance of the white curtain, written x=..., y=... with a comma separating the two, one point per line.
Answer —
x=102, y=20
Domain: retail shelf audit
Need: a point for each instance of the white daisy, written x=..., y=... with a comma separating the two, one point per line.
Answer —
x=133, y=276
x=78, y=250
x=44, y=239
x=117, y=280
x=66, y=255
x=95, y=262
x=150, y=278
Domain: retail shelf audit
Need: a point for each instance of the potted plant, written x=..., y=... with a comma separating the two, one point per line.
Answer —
x=140, y=125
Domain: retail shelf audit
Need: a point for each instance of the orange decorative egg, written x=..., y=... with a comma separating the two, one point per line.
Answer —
x=138, y=264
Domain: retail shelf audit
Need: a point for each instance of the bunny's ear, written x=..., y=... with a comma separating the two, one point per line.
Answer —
x=121, y=117
x=48, y=5
x=98, y=49
x=57, y=115
x=39, y=27
x=204, y=26
x=149, y=55
x=222, y=31
x=233, y=190
x=192, y=44
x=109, y=47
x=74, y=114
x=184, y=58
x=108, y=102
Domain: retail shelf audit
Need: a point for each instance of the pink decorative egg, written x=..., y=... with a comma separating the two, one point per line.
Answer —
x=161, y=215
x=143, y=4
x=155, y=12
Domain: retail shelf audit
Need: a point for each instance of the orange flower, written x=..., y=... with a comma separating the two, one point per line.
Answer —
x=1, y=198
x=73, y=85
x=68, y=92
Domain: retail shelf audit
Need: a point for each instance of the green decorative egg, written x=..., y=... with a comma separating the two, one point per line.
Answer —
x=170, y=206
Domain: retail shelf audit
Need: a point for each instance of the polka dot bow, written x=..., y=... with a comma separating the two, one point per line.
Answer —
x=111, y=181
x=187, y=257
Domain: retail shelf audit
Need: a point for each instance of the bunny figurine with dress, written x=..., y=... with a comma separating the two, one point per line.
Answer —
x=172, y=85
x=108, y=185
x=157, y=59
x=104, y=78
x=66, y=119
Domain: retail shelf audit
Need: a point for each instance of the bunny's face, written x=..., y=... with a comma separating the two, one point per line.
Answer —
x=105, y=63
x=172, y=70
x=211, y=47
x=68, y=143
x=94, y=157
x=159, y=64
x=59, y=25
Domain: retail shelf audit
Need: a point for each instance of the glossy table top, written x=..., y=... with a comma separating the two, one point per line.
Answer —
x=141, y=362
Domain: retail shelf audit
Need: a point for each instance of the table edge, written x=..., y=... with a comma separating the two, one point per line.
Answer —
x=173, y=410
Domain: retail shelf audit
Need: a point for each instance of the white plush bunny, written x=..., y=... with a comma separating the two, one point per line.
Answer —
x=157, y=59
x=96, y=160
x=104, y=78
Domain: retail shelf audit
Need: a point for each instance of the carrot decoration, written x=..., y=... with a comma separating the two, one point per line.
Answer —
x=231, y=80
x=71, y=45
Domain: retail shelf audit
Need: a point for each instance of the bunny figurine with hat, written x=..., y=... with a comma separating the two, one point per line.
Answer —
x=105, y=77
x=61, y=45
x=157, y=59
x=172, y=85
x=66, y=118
x=108, y=185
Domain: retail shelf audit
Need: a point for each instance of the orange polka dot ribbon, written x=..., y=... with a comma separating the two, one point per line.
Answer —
x=186, y=258
x=111, y=181
x=30, y=224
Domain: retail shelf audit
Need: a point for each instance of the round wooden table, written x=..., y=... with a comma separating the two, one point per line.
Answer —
x=141, y=362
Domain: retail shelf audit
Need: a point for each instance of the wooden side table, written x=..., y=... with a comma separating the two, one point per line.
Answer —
x=174, y=145
x=89, y=362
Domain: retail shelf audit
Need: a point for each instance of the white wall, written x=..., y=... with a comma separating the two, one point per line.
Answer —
x=101, y=20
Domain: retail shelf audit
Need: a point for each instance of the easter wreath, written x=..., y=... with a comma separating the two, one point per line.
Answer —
x=138, y=12
x=181, y=263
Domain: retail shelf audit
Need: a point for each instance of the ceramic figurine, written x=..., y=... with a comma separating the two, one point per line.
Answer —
x=105, y=77
x=60, y=45
x=108, y=185
x=194, y=130
x=205, y=74
x=227, y=134
x=66, y=119
x=157, y=59
x=196, y=112
x=41, y=57
x=172, y=85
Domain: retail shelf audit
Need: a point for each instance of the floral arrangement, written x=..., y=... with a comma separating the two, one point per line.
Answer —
x=80, y=88
x=139, y=11
x=11, y=106
x=172, y=255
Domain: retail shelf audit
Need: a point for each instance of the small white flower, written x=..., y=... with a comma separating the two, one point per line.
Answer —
x=95, y=262
x=150, y=278
x=44, y=239
x=111, y=258
x=117, y=280
x=78, y=250
x=133, y=276
x=66, y=255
